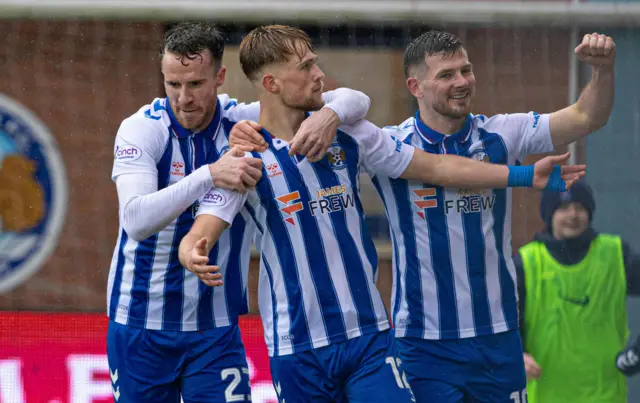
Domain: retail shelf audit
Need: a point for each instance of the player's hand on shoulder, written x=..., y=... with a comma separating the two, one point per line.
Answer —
x=197, y=264
x=552, y=173
x=235, y=171
x=245, y=134
x=531, y=367
x=597, y=50
x=315, y=135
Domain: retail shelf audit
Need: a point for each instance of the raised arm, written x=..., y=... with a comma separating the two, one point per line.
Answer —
x=592, y=109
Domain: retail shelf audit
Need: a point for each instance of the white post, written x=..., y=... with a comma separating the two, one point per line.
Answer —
x=574, y=77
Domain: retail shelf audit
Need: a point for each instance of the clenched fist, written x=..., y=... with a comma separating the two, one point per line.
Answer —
x=235, y=171
x=21, y=196
x=597, y=50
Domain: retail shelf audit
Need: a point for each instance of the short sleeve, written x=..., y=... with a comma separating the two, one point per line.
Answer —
x=523, y=133
x=381, y=152
x=138, y=147
x=222, y=203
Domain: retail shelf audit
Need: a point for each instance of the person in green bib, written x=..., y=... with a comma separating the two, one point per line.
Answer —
x=572, y=284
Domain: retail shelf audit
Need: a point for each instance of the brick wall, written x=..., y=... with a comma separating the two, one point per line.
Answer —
x=83, y=79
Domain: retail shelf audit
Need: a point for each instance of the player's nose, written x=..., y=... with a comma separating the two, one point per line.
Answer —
x=460, y=81
x=318, y=73
x=185, y=97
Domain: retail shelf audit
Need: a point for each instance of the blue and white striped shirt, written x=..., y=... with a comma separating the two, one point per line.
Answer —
x=453, y=272
x=318, y=262
x=147, y=285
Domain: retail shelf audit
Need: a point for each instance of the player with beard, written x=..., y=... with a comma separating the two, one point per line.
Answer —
x=455, y=300
x=325, y=324
x=170, y=337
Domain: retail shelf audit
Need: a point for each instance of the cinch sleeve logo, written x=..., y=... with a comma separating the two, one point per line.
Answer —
x=291, y=206
x=427, y=200
x=214, y=198
x=127, y=152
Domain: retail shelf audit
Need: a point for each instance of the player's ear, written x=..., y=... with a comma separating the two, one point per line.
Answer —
x=220, y=76
x=269, y=83
x=414, y=87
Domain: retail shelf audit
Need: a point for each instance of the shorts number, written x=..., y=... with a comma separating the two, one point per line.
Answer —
x=400, y=380
x=519, y=397
x=229, y=395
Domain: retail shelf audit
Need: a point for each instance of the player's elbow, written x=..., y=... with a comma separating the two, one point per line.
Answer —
x=365, y=101
x=598, y=122
x=135, y=232
x=587, y=122
x=133, y=225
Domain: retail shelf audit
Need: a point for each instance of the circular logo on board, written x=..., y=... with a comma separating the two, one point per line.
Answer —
x=33, y=194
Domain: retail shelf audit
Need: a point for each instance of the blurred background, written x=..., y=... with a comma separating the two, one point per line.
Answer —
x=81, y=67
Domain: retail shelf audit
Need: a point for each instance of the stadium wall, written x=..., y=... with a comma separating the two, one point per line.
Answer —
x=82, y=78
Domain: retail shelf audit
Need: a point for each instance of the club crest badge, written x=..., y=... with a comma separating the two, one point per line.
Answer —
x=33, y=194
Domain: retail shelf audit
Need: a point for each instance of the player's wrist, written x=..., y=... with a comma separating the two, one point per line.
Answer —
x=602, y=72
x=520, y=176
x=213, y=176
x=331, y=115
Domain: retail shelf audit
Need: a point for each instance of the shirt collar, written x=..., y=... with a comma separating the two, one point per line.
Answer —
x=209, y=132
x=434, y=137
x=273, y=141
x=278, y=144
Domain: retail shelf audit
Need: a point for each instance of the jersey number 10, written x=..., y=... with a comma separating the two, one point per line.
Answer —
x=519, y=397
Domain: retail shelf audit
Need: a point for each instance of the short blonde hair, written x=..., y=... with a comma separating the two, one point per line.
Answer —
x=270, y=44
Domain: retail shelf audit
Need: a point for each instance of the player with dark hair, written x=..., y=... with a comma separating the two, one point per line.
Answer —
x=326, y=327
x=169, y=334
x=455, y=305
x=454, y=301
